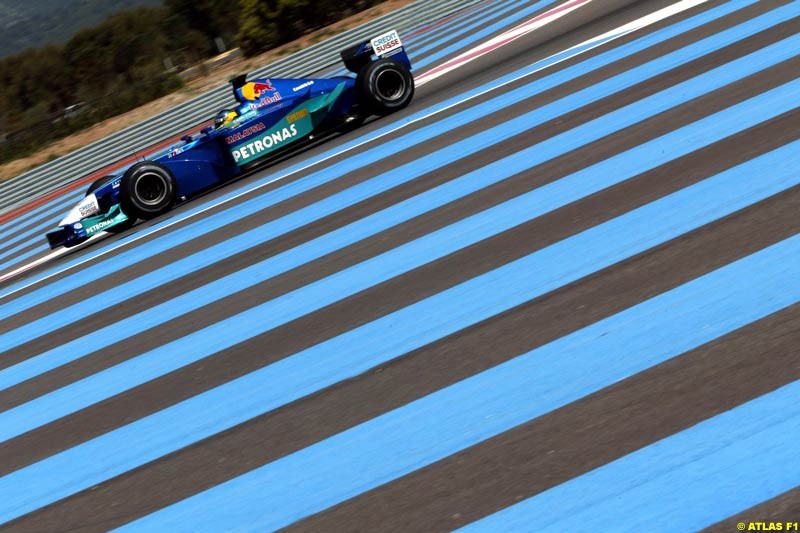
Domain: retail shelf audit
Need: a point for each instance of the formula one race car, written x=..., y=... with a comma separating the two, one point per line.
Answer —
x=271, y=116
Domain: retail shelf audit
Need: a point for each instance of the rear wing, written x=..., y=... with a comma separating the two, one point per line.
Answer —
x=383, y=46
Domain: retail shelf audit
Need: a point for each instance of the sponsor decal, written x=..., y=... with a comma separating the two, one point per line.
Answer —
x=297, y=115
x=100, y=225
x=245, y=133
x=258, y=90
x=303, y=86
x=265, y=101
x=265, y=143
x=88, y=206
x=388, y=42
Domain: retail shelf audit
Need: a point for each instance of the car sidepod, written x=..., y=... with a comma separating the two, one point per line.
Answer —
x=256, y=138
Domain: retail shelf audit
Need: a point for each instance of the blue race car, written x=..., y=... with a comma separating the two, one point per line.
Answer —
x=271, y=116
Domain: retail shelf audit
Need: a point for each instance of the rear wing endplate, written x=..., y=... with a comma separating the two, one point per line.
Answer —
x=386, y=45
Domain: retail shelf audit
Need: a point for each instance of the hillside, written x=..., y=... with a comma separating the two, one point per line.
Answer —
x=37, y=22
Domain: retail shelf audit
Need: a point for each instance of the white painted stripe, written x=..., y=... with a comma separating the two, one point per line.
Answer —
x=640, y=23
x=538, y=22
x=501, y=40
x=47, y=258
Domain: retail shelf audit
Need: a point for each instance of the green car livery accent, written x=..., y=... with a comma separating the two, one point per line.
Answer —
x=98, y=223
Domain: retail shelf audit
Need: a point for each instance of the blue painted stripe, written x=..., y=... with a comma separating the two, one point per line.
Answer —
x=53, y=212
x=466, y=27
x=461, y=306
x=557, y=194
x=685, y=482
x=560, y=144
x=545, y=379
x=472, y=37
x=26, y=238
x=166, y=242
x=20, y=257
x=461, y=24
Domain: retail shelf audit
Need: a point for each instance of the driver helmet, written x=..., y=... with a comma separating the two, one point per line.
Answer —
x=224, y=117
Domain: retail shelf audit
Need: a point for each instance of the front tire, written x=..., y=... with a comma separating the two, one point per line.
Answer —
x=385, y=86
x=148, y=189
x=99, y=182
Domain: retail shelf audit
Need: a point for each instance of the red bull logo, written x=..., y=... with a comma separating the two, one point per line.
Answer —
x=254, y=90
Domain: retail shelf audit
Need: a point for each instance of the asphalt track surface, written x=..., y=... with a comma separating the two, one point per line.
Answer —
x=570, y=302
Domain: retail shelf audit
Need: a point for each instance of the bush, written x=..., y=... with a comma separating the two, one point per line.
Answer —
x=266, y=24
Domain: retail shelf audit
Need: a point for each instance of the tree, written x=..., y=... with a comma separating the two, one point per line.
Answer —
x=257, y=28
x=264, y=24
x=209, y=18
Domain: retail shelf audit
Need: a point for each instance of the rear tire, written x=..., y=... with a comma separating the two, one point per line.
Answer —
x=148, y=189
x=384, y=86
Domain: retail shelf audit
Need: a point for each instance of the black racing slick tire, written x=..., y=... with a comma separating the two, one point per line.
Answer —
x=148, y=189
x=384, y=86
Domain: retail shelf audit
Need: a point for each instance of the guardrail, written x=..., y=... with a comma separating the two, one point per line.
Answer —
x=52, y=175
